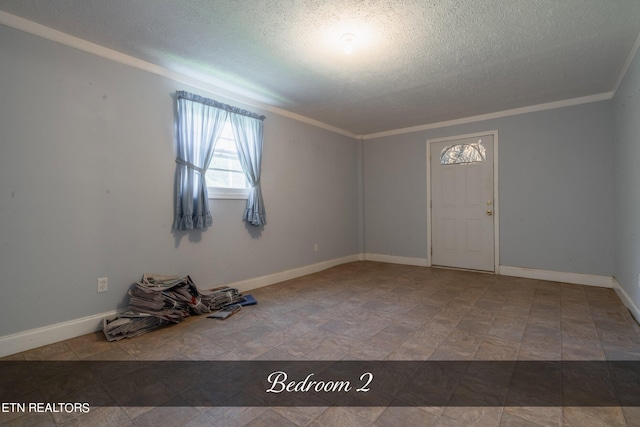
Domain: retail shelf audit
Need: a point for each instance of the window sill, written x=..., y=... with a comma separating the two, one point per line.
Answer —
x=228, y=193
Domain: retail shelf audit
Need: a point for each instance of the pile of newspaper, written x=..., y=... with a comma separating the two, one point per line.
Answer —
x=159, y=300
x=130, y=324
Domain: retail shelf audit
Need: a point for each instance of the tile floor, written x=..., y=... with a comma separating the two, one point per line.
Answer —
x=376, y=311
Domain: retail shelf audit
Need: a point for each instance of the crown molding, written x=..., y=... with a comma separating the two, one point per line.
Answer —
x=499, y=114
x=101, y=51
x=627, y=64
x=75, y=42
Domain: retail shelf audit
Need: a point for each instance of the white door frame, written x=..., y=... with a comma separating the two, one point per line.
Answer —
x=496, y=206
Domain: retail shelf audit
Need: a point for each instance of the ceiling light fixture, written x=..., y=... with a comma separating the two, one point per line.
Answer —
x=347, y=43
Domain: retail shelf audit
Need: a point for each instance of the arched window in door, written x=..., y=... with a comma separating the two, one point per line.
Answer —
x=463, y=153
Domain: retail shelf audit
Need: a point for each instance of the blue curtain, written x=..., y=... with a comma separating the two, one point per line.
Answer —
x=200, y=123
x=247, y=131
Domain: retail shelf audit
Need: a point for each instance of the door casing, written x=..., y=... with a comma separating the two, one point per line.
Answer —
x=496, y=198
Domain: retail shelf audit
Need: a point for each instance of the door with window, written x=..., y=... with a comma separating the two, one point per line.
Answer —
x=462, y=203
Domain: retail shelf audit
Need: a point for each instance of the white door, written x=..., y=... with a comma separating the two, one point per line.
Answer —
x=462, y=203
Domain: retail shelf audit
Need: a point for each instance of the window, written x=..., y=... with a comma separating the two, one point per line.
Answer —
x=201, y=124
x=463, y=153
x=225, y=177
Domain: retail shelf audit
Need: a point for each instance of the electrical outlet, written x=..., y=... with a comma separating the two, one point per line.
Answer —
x=316, y=247
x=103, y=284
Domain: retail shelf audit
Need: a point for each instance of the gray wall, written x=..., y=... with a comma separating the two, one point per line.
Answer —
x=555, y=189
x=86, y=189
x=627, y=181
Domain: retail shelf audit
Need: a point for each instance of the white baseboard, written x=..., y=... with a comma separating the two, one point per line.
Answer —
x=558, y=276
x=258, y=282
x=626, y=299
x=392, y=259
x=529, y=273
x=34, y=338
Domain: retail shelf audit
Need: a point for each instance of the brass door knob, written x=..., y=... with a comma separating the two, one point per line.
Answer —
x=489, y=213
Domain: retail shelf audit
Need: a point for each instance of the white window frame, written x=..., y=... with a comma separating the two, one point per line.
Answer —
x=226, y=192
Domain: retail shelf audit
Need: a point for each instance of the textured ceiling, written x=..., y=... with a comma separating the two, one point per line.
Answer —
x=415, y=62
